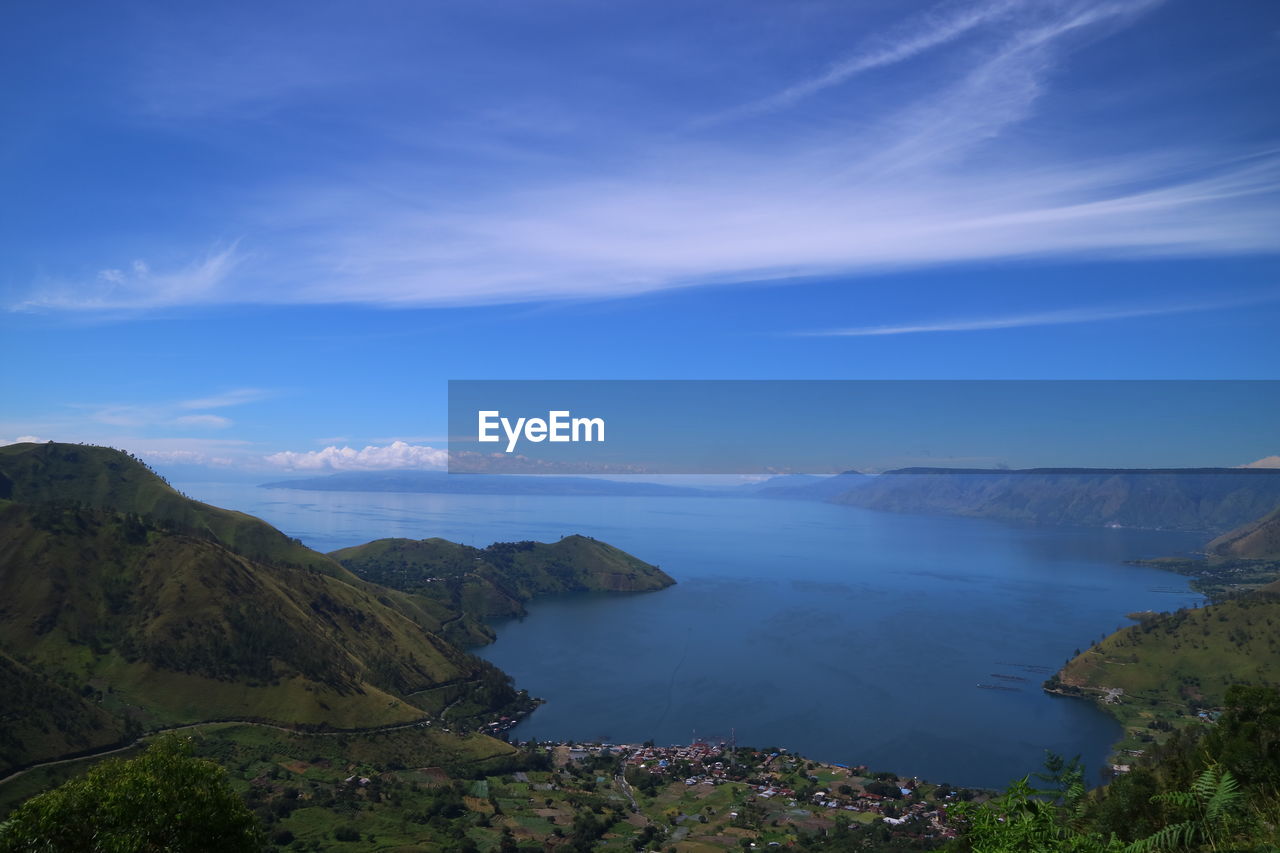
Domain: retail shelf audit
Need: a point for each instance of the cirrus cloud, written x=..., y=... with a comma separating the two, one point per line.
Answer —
x=140, y=287
x=950, y=168
x=209, y=421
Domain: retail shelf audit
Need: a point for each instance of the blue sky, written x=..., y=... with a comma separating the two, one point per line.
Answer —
x=235, y=231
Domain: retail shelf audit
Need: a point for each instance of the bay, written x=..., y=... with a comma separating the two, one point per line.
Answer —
x=844, y=634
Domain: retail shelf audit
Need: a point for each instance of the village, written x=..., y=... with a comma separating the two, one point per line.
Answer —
x=714, y=794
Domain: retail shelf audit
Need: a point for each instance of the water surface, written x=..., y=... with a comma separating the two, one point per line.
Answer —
x=845, y=634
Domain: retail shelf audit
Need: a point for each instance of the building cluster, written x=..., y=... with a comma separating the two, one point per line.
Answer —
x=662, y=759
x=503, y=724
x=767, y=775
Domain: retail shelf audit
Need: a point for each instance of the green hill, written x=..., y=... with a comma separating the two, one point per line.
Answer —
x=176, y=611
x=183, y=628
x=107, y=479
x=497, y=581
x=103, y=478
x=124, y=604
x=1162, y=672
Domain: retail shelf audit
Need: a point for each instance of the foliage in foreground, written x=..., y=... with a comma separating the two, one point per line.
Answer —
x=162, y=800
x=1217, y=790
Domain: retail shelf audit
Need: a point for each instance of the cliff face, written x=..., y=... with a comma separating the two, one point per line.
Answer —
x=1200, y=500
x=1256, y=540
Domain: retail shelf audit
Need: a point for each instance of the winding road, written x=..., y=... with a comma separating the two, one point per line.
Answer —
x=186, y=726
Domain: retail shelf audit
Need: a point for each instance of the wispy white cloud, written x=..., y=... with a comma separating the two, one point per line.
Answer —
x=918, y=184
x=937, y=175
x=1061, y=317
x=708, y=226
x=234, y=397
x=396, y=455
x=125, y=415
x=919, y=35
x=993, y=93
x=140, y=287
x=185, y=413
x=207, y=421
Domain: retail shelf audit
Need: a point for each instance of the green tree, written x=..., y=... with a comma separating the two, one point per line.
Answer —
x=164, y=799
x=1211, y=815
x=1246, y=740
x=1018, y=822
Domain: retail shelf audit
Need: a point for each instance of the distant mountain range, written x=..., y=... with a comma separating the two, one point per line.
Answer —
x=124, y=603
x=788, y=486
x=806, y=486
x=440, y=482
x=1208, y=500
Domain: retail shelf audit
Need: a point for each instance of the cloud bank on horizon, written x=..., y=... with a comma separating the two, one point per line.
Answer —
x=404, y=456
x=397, y=455
x=474, y=165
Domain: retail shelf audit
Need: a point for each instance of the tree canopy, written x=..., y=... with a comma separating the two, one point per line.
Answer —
x=164, y=799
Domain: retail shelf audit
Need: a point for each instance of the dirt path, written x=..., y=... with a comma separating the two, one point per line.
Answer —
x=626, y=789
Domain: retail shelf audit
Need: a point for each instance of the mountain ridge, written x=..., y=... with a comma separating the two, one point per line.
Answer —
x=440, y=482
x=133, y=606
x=1203, y=500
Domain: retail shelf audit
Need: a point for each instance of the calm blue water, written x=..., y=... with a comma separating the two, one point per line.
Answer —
x=844, y=634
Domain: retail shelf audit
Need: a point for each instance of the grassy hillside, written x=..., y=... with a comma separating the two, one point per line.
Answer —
x=103, y=478
x=168, y=611
x=38, y=716
x=486, y=583
x=1209, y=500
x=1161, y=672
x=184, y=628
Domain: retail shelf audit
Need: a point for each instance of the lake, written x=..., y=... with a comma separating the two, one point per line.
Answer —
x=844, y=634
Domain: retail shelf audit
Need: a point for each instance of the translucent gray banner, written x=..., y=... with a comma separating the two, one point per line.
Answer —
x=613, y=428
